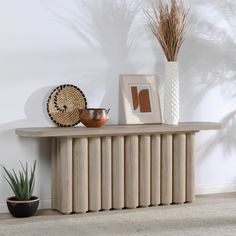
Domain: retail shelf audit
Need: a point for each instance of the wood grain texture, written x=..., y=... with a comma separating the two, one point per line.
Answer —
x=131, y=171
x=118, y=172
x=59, y=170
x=144, y=171
x=156, y=170
x=190, y=173
x=80, y=175
x=179, y=168
x=166, y=169
x=54, y=173
x=116, y=130
x=106, y=174
x=94, y=174
x=66, y=175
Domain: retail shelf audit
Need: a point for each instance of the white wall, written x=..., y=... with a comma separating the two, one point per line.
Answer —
x=44, y=43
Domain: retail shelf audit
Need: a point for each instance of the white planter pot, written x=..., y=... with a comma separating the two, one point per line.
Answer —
x=171, y=93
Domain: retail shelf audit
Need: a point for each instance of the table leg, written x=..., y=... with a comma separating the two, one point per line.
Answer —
x=66, y=175
x=144, y=171
x=94, y=174
x=80, y=175
x=155, y=170
x=118, y=172
x=54, y=193
x=106, y=174
x=190, y=193
x=179, y=168
x=131, y=171
x=166, y=169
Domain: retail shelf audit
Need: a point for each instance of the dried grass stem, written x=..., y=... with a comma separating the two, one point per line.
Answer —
x=168, y=24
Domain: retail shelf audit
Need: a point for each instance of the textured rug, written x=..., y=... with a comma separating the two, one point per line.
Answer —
x=208, y=219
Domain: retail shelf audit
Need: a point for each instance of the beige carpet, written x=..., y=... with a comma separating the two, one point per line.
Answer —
x=208, y=217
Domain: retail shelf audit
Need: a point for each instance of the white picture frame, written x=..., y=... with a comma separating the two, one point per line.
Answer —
x=140, y=98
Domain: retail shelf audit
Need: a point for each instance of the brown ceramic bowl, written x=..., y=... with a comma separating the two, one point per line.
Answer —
x=94, y=117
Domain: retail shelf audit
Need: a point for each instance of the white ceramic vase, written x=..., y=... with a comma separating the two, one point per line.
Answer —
x=171, y=93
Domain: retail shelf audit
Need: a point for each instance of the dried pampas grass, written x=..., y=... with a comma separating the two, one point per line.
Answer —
x=168, y=23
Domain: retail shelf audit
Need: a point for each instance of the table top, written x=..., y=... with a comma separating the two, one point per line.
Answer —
x=115, y=130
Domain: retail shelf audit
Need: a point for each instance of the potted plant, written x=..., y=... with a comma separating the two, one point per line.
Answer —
x=23, y=204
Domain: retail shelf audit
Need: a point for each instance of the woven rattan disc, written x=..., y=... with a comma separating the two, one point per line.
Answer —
x=64, y=104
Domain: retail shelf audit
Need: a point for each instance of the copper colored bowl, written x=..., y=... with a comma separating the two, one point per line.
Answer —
x=94, y=117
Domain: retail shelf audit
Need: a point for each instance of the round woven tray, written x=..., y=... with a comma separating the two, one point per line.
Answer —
x=64, y=104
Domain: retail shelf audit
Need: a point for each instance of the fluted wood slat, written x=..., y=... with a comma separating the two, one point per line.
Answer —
x=179, y=168
x=59, y=170
x=144, y=171
x=54, y=173
x=190, y=190
x=166, y=169
x=106, y=174
x=80, y=175
x=118, y=172
x=131, y=171
x=94, y=174
x=156, y=170
x=66, y=174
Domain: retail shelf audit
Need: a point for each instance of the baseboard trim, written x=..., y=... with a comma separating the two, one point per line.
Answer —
x=202, y=189
x=43, y=204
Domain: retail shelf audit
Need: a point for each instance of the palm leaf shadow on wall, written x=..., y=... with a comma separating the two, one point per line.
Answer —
x=226, y=138
x=107, y=27
x=212, y=29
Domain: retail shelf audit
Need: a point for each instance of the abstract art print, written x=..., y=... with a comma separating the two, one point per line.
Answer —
x=140, y=99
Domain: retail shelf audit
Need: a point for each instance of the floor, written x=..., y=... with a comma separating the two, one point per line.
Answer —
x=208, y=215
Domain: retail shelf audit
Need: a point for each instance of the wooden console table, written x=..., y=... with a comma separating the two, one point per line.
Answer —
x=121, y=166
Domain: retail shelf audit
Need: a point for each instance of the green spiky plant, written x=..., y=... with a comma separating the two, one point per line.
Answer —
x=22, y=184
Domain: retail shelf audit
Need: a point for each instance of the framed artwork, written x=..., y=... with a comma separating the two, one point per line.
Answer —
x=140, y=99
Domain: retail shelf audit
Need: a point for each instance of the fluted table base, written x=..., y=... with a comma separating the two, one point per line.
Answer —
x=124, y=171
